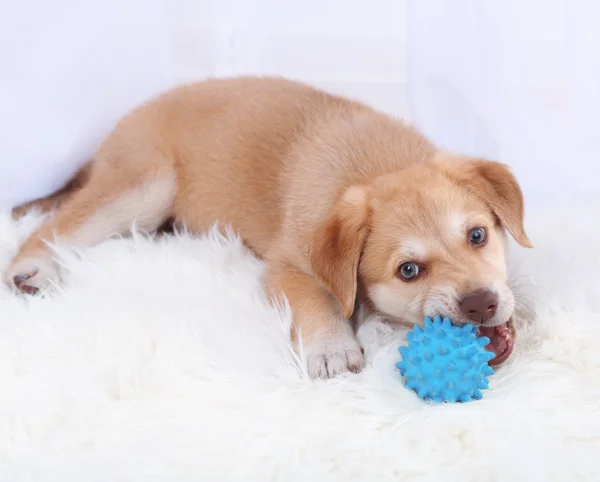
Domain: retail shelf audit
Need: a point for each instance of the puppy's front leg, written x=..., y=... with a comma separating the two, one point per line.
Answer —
x=331, y=346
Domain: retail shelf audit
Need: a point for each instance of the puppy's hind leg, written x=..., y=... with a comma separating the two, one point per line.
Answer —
x=113, y=199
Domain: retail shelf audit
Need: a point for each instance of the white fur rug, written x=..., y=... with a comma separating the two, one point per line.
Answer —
x=159, y=360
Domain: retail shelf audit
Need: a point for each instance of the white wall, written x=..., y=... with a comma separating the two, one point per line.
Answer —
x=69, y=70
x=352, y=47
x=514, y=80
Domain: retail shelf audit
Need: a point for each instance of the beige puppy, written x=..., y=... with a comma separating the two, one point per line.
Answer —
x=343, y=203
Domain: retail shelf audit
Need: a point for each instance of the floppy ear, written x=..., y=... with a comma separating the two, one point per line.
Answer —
x=495, y=184
x=337, y=245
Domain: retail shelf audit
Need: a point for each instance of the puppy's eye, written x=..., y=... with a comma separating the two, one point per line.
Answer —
x=408, y=271
x=477, y=236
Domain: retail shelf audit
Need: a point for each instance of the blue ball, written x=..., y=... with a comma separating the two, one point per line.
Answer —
x=445, y=363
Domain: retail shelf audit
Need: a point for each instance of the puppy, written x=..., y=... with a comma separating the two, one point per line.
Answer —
x=342, y=203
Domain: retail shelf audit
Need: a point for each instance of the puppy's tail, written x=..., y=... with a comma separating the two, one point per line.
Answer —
x=54, y=200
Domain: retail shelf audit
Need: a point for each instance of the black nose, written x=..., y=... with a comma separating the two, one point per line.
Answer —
x=479, y=306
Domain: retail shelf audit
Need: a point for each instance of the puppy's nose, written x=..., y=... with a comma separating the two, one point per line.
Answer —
x=479, y=306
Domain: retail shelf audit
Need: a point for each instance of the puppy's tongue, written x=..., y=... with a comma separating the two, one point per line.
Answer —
x=501, y=341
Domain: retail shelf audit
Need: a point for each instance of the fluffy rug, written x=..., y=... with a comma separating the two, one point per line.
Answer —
x=159, y=360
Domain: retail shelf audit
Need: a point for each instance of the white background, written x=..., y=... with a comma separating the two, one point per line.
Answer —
x=514, y=80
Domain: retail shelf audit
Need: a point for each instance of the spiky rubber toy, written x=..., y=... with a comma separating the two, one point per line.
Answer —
x=445, y=363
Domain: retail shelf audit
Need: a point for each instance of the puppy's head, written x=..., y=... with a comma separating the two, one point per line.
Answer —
x=428, y=240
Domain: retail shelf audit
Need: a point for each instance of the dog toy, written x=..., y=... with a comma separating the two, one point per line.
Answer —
x=445, y=363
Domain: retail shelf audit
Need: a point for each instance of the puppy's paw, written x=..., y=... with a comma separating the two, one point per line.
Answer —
x=333, y=355
x=31, y=275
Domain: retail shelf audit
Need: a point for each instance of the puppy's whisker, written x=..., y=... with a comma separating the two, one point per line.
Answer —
x=415, y=301
x=512, y=285
x=530, y=300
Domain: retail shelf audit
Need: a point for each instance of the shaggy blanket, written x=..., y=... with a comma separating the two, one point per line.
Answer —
x=159, y=359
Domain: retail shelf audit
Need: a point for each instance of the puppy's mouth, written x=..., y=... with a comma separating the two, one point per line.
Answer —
x=502, y=341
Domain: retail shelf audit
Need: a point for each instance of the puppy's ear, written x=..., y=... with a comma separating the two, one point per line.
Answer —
x=337, y=245
x=495, y=184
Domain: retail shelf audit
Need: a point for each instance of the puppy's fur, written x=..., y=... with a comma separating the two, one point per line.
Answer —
x=333, y=195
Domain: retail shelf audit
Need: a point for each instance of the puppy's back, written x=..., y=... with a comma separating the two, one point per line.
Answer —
x=235, y=143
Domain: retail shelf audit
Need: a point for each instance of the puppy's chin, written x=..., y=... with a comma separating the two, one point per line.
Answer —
x=502, y=337
x=502, y=340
